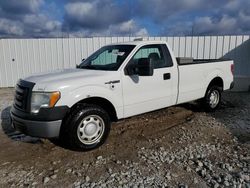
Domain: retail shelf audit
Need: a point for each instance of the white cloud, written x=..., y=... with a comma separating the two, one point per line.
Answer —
x=142, y=33
x=96, y=14
x=10, y=28
x=42, y=22
x=79, y=9
x=17, y=7
x=24, y=18
x=218, y=18
x=234, y=18
x=100, y=17
x=129, y=27
x=205, y=25
x=29, y=18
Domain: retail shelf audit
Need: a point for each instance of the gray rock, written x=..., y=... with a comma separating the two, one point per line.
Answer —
x=168, y=176
x=203, y=172
x=199, y=163
x=247, y=185
x=216, y=185
x=219, y=180
x=87, y=178
x=183, y=186
x=12, y=174
x=190, y=162
x=197, y=169
x=99, y=157
x=34, y=183
x=188, y=169
x=22, y=172
x=78, y=174
x=223, y=166
x=226, y=183
x=229, y=177
x=245, y=177
x=46, y=180
x=195, y=181
x=77, y=184
x=53, y=176
x=228, y=167
x=69, y=170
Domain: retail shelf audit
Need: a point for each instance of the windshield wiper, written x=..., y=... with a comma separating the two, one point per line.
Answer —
x=87, y=67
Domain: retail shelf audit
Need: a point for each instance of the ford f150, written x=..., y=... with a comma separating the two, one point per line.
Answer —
x=116, y=82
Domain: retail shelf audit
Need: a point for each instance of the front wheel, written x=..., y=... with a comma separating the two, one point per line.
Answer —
x=86, y=128
x=212, y=99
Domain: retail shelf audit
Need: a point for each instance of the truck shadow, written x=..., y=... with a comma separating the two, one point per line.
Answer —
x=192, y=106
x=11, y=132
x=197, y=107
x=232, y=113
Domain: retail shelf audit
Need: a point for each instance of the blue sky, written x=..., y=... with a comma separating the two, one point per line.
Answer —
x=86, y=18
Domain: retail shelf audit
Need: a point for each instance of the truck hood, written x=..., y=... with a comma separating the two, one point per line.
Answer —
x=68, y=78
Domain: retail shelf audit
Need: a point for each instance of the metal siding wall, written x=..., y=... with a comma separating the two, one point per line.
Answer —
x=22, y=57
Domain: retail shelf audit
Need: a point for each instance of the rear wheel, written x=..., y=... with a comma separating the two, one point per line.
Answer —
x=86, y=128
x=212, y=99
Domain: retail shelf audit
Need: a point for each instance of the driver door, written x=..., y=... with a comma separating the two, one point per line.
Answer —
x=147, y=93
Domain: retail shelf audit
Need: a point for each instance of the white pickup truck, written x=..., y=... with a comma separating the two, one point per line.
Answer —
x=116, y=82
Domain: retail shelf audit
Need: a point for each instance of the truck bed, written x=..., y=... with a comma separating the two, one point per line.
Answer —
x=195, y=76
x=191, y=61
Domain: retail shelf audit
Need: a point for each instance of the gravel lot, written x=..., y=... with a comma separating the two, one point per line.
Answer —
x=175, y=147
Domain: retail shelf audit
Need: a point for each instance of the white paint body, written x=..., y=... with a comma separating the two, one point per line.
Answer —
x=135, y=94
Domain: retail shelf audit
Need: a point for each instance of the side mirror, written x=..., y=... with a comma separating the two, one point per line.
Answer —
x=145, y=67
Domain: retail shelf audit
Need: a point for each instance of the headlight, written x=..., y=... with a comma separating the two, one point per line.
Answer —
x=43, y=99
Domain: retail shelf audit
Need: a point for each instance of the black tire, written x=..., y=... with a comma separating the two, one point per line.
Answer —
x=70, y=131
x=208, y=103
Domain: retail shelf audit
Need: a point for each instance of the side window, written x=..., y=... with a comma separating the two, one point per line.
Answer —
x=154, y=53
x=168, y=57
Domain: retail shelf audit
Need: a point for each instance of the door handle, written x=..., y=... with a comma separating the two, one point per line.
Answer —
x=166, y=76
x=113, y=82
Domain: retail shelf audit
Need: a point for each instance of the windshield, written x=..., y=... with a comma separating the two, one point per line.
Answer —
x=107, y=58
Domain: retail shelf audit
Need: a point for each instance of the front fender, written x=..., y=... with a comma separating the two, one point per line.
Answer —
x=112, y=95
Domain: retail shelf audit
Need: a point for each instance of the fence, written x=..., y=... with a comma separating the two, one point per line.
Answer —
x=23, y=57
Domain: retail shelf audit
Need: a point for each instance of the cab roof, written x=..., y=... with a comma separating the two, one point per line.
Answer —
x=136, y=43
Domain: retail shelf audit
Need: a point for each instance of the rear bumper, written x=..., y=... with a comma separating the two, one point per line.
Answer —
x=232, y=85
x=41, y=129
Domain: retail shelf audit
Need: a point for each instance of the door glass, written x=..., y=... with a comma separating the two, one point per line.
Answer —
x=153, y=53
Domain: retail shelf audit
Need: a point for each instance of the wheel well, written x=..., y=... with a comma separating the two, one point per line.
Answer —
x=217, y=82
x=103, y=103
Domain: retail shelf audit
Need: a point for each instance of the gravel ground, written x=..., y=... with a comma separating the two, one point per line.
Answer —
x=175, y=147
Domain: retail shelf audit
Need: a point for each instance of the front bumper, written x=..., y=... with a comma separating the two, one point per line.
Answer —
x=45, y=124
x=41, y=129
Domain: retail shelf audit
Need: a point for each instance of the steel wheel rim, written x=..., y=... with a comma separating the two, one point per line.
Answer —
x=91, y=129
x=214, y=98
